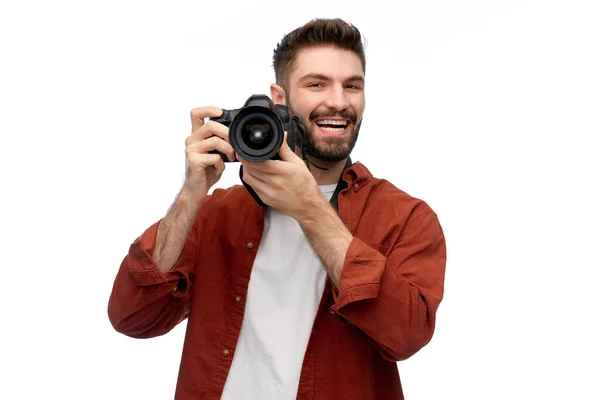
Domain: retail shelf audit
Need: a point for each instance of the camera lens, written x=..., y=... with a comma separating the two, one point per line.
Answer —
x=257, y=133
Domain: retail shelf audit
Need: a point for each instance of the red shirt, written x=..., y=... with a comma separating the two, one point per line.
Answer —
x=391, y=285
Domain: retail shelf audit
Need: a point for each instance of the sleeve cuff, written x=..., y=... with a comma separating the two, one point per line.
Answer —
x=361, y=274
x=144, y=270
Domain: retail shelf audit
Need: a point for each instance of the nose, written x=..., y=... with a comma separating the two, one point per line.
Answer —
x=337, y=99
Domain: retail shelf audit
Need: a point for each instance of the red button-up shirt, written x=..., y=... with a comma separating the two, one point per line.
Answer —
x=390, y=288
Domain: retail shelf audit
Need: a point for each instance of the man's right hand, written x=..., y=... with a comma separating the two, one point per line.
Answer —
x=204, y=169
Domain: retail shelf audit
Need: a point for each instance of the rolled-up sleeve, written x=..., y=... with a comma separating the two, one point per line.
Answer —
x=394, y=299
x=145, y=272
x=144, y=301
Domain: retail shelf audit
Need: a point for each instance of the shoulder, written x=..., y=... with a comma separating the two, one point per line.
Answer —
x=387, y=196
x=394, y=210
x=384, y=215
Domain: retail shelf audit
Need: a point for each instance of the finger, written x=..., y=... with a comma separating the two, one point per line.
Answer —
x=211, y=144
x=266, y=167
x=256, y=183
x=286, y=153
x=219, y=164
x=258, y=188
x=260, y=176
x=198, y=114
x=205, y=160
x=212, y=128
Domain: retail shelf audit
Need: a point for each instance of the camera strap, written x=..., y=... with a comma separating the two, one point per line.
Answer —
x=341, y=185
x=250, y=190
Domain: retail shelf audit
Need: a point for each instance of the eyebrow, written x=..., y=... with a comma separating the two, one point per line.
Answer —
x=326, y=78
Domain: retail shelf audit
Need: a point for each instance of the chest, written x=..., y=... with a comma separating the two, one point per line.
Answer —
x=286, y=270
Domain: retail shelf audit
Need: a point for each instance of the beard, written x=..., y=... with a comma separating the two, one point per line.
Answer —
x=324, y=147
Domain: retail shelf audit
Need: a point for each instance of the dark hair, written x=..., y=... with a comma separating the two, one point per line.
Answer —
x=318, y=32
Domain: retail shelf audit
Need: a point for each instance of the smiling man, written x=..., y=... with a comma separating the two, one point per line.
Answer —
x=315, y=296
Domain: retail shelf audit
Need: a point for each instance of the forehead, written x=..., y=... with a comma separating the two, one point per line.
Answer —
x=338, y=64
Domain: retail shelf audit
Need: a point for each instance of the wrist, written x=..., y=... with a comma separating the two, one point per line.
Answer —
x=315, y=207
x=191, y=199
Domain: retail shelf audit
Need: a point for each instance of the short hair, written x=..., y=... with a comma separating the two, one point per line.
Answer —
x=317, y=32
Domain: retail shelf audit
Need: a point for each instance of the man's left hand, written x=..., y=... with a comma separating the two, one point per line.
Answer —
x=286, y=185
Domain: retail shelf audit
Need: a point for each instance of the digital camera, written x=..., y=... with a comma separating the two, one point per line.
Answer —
x=256, y=129
x=256, y=132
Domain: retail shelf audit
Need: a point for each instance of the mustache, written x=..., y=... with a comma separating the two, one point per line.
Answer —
x=346, y=114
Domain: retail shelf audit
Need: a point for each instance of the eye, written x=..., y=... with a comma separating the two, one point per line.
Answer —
x=354, y=87
x=315, y=85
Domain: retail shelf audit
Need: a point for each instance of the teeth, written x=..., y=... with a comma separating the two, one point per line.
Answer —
x=332, y=122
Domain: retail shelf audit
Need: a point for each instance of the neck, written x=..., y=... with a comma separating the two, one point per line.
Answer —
x=325, y=177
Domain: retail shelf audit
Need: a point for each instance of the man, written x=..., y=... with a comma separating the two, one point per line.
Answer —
x=316, y=296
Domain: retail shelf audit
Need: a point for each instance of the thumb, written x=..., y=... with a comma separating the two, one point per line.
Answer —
x=286, y=153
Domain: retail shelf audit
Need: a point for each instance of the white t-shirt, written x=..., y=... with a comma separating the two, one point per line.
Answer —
x=285, y=289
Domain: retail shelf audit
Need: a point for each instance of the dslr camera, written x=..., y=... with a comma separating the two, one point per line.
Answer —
x=256, y=132
x=256, y=129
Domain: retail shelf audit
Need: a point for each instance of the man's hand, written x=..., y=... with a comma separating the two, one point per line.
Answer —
x=286, y=185
x=204, y=169
x=289, y=187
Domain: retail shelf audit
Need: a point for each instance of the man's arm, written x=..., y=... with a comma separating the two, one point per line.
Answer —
x=328, y=236
x=174, y=229
x=392, y=299
x=152, y=288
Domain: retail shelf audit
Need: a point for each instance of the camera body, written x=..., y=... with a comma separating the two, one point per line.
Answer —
x=256, y=130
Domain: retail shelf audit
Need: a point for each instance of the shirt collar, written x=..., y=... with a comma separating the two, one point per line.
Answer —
x=357, y=175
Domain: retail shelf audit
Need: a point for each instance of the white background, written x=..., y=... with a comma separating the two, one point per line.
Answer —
x=488, y=110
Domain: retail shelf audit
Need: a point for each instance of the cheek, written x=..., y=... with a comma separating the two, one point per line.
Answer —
x=310, y=100
x=304, y=107
x=359, y=106
x=358, y=103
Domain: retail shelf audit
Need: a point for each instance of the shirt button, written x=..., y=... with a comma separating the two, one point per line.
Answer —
x=250, y=245
x=225, y=352
x=238, y=298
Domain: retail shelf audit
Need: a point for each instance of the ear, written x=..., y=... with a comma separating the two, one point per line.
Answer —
x=277, y=94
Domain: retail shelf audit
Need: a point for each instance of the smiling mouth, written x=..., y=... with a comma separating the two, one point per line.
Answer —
x=332, y=125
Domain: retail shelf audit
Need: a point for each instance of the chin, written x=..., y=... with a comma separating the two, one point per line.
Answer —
x=331, y=146
x=330, y=152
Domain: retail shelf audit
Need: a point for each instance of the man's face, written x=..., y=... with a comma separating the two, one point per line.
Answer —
x=326, y=90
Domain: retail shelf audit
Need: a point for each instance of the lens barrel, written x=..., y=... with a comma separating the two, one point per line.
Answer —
x=256, y=133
